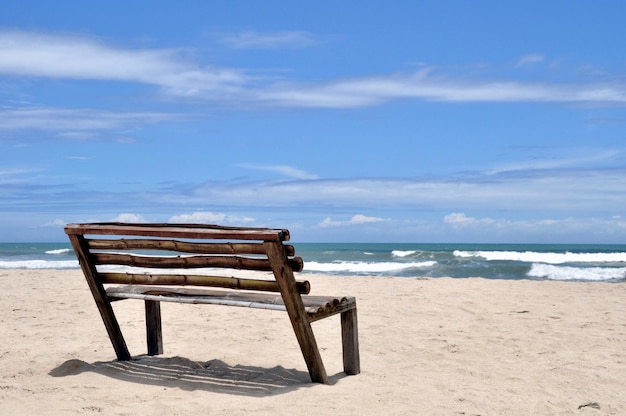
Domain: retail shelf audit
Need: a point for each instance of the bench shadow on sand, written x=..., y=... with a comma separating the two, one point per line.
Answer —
x=185, y=374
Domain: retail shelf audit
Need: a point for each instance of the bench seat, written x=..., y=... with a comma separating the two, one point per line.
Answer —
x=316, y=307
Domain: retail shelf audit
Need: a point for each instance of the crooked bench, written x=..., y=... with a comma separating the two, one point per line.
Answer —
x=154, y=263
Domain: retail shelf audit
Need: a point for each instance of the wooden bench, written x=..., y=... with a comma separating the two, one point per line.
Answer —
x=152, y=262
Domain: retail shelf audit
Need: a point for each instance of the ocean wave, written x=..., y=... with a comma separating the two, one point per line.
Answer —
x=549, y=258
x=39, y=264
x=59, y=251
x=547, y=271
x=403, y=253
x=362, y=267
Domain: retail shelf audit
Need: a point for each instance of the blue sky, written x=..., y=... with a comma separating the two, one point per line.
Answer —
x=403, y=121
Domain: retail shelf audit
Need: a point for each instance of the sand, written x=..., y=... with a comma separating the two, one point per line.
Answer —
x=428, y=347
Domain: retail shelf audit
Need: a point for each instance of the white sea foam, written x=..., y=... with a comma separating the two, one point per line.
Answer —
x=549, y=258
x=362, y=267
x=551, y=272
x=59, y=251
x=39, y=264
x=403, y=253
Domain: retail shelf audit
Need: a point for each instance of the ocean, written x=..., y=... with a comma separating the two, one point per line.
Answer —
x=579, y=262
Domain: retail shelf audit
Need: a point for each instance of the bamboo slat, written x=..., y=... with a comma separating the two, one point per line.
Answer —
x=304, y=287
x=183, y=246
x=194, y=231
x=230, y=262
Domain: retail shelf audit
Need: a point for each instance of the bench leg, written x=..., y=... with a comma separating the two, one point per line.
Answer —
x=310, y=352
x=295, y=309
x=154, y=335
x=350, y=340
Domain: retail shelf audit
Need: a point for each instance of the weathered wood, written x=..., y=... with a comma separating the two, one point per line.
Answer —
x=332, y=306
x=154, y=333
x=350, y=342
x=295, y=308
x=192, y=231
x=183, y=246
x=196, y=262
x=316, y=307
x=303, y=287
x=100, y=297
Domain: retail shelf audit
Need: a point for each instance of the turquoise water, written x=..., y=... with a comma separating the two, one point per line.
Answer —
x=493, y=261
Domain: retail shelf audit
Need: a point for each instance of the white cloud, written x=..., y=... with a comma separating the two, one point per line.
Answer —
x=590, y=157
x=575, y=190
x=551, y=229
x=55, y=223
x=362, y=92
x=531, y=58
x=281, y=169
x=74, y=120
x=206, y=217
x=49, y=55
x=355, y=220
x=58, y=56
x=127, y=217
x=460, y=219
x=281, y=39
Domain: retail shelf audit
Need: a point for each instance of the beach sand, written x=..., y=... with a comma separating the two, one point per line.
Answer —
x=428, y=347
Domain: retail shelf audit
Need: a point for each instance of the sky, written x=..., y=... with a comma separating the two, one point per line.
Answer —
x=350, y=121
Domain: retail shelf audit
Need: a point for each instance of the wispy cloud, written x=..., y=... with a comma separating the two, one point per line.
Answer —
x=569, y=189
x=459, y=224
x=73, y=120
x=55, y=223
x=256, y=40
x=590, y=158
x=355, y=220
x=284, y=170
x=461, y=220
x=531, y=58
x=129, y=217
x=60, y=56
x=207, y=217
x=75, y=57
x=554, y=227
x=362, y=92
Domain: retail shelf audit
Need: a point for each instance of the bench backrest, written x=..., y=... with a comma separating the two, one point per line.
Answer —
x=172, y=254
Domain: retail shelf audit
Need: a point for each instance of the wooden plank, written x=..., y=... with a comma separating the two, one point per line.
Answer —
x=229, y=262
x=154, y=333
x=350, y=342
x=99, y=294
x=297, y=314
x=303, y=287
x=192, y=231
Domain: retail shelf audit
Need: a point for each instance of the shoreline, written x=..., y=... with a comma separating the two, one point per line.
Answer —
x=438, y=346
